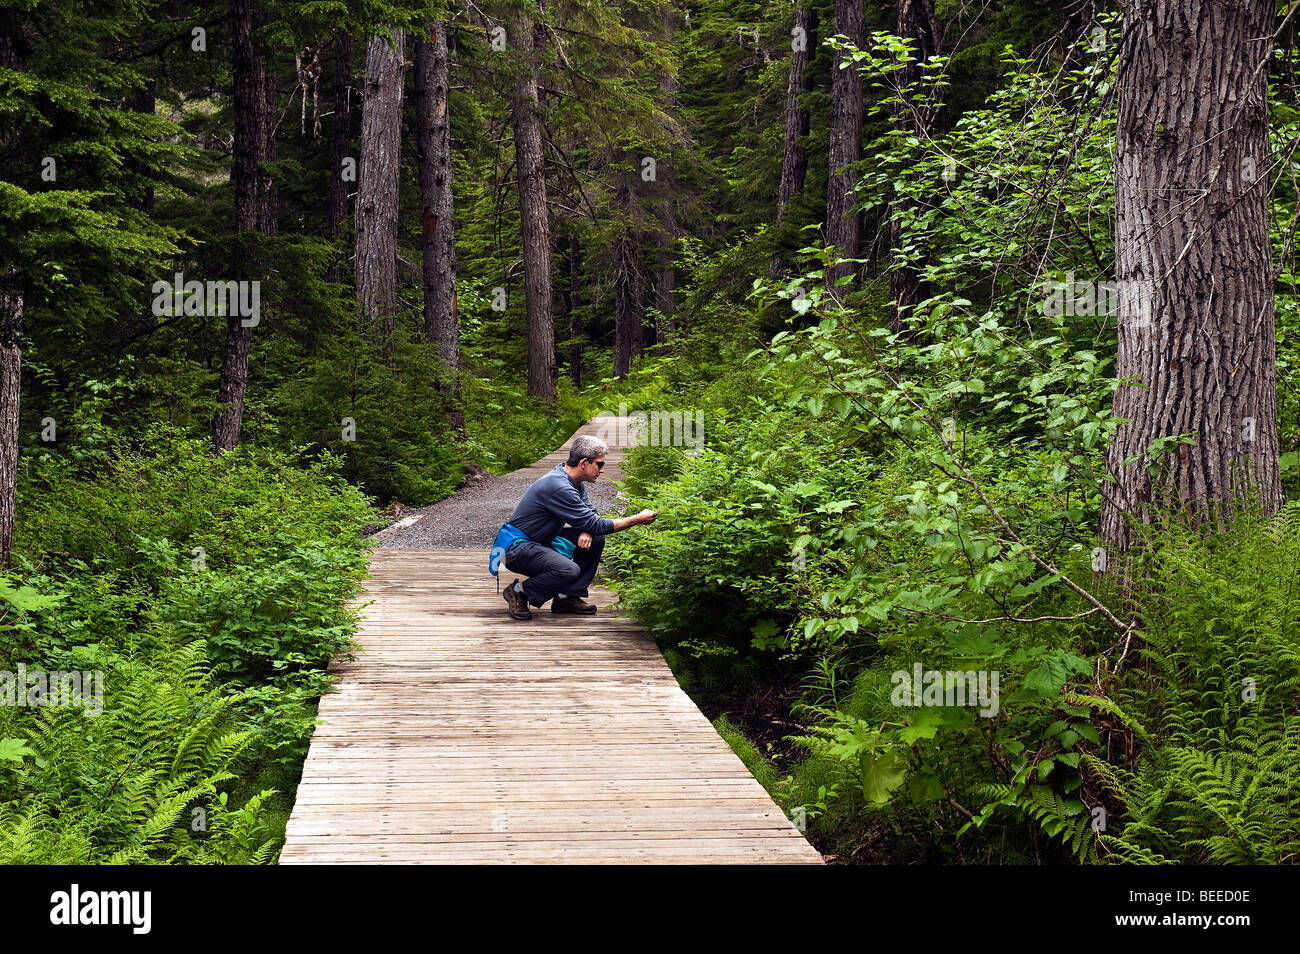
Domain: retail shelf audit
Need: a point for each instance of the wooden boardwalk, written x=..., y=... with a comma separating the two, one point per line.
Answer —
x=462, y=736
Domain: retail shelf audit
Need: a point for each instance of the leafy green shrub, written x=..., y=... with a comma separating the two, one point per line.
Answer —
x=710, y=567
x=265, y=620
x=506, y=429
x=210, y=592
x=396, y=442
x=244, y=505
x=832, y=516
x=649, y=465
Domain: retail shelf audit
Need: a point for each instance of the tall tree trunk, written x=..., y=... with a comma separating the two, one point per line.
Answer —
x=794, y=161
x=649, y=332
x=665, y=269
x=573, y=303
x=11, y=374
x=845, y=140
x=628, y=313
x=534, y=213
x=665, y=239
x=1192, y=230
x=441, y=324
x=13, y=56
x=269, y=207
x=340, y=140
x=254, y=211
x=916, y=23
x=381, y=128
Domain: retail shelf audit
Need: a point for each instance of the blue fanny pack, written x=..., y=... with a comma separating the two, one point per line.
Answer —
x=507, y=537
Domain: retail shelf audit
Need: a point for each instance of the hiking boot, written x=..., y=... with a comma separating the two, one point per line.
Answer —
x=572, y=604
x=518, y=602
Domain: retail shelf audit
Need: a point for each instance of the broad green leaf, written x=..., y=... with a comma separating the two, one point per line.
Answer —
x=925, y=725
x=14, y=750
x=1046, y=679
x=881, y=775
x=27, y=599
x=924, y=787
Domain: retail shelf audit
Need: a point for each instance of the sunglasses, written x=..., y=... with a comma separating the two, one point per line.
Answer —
x=598, y=463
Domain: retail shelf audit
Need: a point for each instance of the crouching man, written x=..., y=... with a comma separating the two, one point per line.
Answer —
x=560, y=561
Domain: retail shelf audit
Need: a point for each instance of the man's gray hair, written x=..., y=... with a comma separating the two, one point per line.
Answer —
x=586, y=447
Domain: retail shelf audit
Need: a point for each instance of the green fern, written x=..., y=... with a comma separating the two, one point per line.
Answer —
x=1218, y=781
x=110, y=788
x=1065, y=819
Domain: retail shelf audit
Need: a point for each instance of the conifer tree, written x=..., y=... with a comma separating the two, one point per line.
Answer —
x=1194, y=267
x=527, y=37
x=842, y=223
x=255, y=210
x=438, y=237
x=379, y=174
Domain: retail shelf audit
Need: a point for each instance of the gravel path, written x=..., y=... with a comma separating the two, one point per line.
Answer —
x=471, y=517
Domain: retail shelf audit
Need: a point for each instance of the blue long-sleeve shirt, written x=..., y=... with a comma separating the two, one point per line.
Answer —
x=554, y=500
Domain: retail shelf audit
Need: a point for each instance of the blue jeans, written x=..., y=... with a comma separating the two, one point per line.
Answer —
x=549, y=572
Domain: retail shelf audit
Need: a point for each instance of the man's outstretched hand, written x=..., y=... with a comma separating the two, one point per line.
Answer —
x=636, y=520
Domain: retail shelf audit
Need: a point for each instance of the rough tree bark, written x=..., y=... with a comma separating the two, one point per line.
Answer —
x=13, y=56
x=11, y=374
x=845, y=140
x=255, y=199
x=1193, y=264
x=628, y=304
x=381, y=128
x=665, y=239
x=916, y=22
x=794, y=161
x=534, y=213
x=340, y=140
x=665, y=268
x=438, y=244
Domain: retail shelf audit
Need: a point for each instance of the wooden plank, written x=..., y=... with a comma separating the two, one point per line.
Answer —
x=688, y=850
x=458, y=838
x=521, y=807
x=556, y=788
